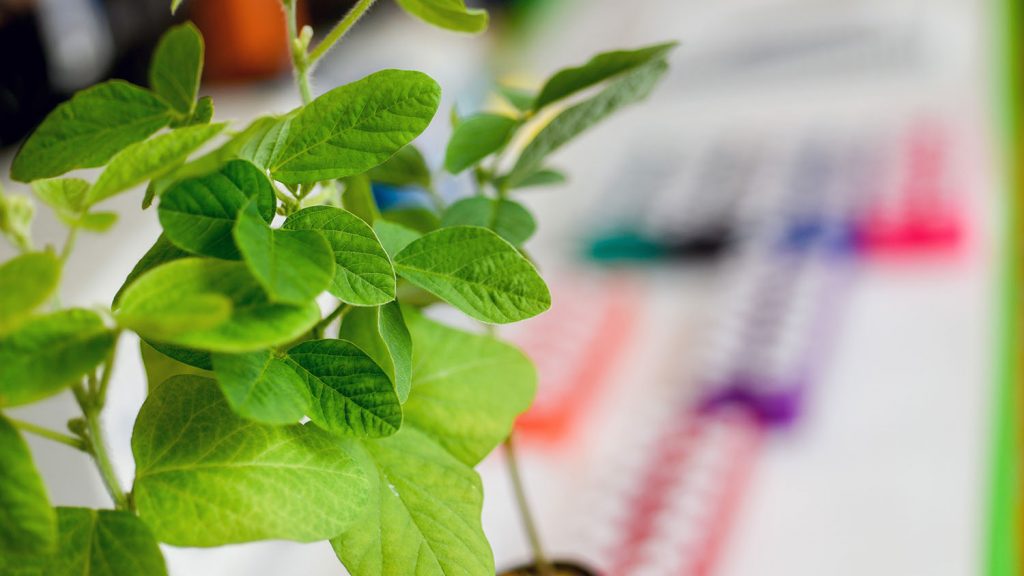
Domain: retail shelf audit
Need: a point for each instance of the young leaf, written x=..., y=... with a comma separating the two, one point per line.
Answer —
x=97, y=543
x=49, y=353
x=255, y=322
x=476, y=138
x=406, y=168
x=450, y=14
x=423, y=512
x=177, y=67
x=380, y=331
x=509, y=219
x=27, y=522
x=477, y=272
x=16, y=214
x=96, y=221
x=26, y=282
x=64, y=195
x=293, y=266
x=203, y=114
x=89, y=130
x=206, y=477
x=261, y=387
x=630, y=87
x=161, y=252
x=149, y=160
x=358, y=199
x=394, y=237
x=351, y=393
x=363, y=275
x=423, y=515
x=600, y=68
x=199, y=214
x=457, y=377
x=355, y=127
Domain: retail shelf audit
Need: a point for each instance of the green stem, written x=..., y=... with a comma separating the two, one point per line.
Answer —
x=91, y=404
x=300, y=60
x=339, y=30
x=49, y=434
x=69, y=244
x=341, y=310
x=544, y=567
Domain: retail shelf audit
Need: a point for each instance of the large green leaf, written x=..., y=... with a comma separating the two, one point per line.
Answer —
x=94, y=543
x=355, y=127
x=476, y=271
x=508, y=218
x=423, y=512
x=423, y=515
x=49, y=353
x=363, y=274
x=26, y=282
x=261, y=387
x=27, y=522
x=177, y=67
x=183, y=285
x=207, y=477
x=150, y=159
x=351, y=393
x=600, y=68
x=406, y=168
x=626, y=89
x=476, y=138
x=380, y=331
x=294, y=266
x=89, y=130
x=450, y=14
x=199, y=214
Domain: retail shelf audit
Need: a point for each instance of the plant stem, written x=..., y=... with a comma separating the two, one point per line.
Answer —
x=98, y=449
x=299, y=57
x=544, y=567
x=69, y=244
x=339, y=30
x=338, y=312
x=49, y=434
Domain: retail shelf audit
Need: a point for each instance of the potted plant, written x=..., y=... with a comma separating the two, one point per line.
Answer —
x=266, y=418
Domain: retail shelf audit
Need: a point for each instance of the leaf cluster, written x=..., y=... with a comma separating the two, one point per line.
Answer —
x=296, y=389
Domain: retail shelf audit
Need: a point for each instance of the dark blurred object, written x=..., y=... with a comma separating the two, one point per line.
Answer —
x=25, y=94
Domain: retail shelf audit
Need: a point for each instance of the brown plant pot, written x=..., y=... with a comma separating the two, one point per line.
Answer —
x=561, y=569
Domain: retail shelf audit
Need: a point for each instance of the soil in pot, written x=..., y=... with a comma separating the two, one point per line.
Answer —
x=561, y=569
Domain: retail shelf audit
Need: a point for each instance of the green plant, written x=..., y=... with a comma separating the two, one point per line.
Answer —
x=238, y=354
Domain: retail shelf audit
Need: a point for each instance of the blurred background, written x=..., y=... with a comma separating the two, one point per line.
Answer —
x=773, y=348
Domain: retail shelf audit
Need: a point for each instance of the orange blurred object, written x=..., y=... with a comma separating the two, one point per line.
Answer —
x=245, y=39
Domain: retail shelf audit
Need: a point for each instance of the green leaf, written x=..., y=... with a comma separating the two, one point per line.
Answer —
x=64, y=195
x=394, y=237
x=177, y=67
x=197, y=359
x=477, y=272
x=266, y=141
x=380, y=331
x=94, y=543
x=96, y=221
x=358, y=199
x=520, y=99
x=172, y=318
x=449, y=14
x=457, y=377
x=203, y=114
x=149, y=159
x=355, y=127
x=351, y=393
x=476, y=138
x=628, y=88
x=26, y=282
x=508, y=218
x=294, y=266
x=540, y=178
x=421, y=220
x=16, y=214
x=363, y=275
x=159, y=366
x=174, y=5
x=161, y=252
x=49, y=353
x=27, y=522
x=600, y=68
x=89, y=130
x=199, y=214
x=422, y=515
x=206, y=477
x=406, y=168
x=261, y=387
x=255, y=322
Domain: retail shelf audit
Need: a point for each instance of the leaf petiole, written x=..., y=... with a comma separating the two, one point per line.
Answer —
x=543, y=566
x=339, y=30
x=49, y=434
